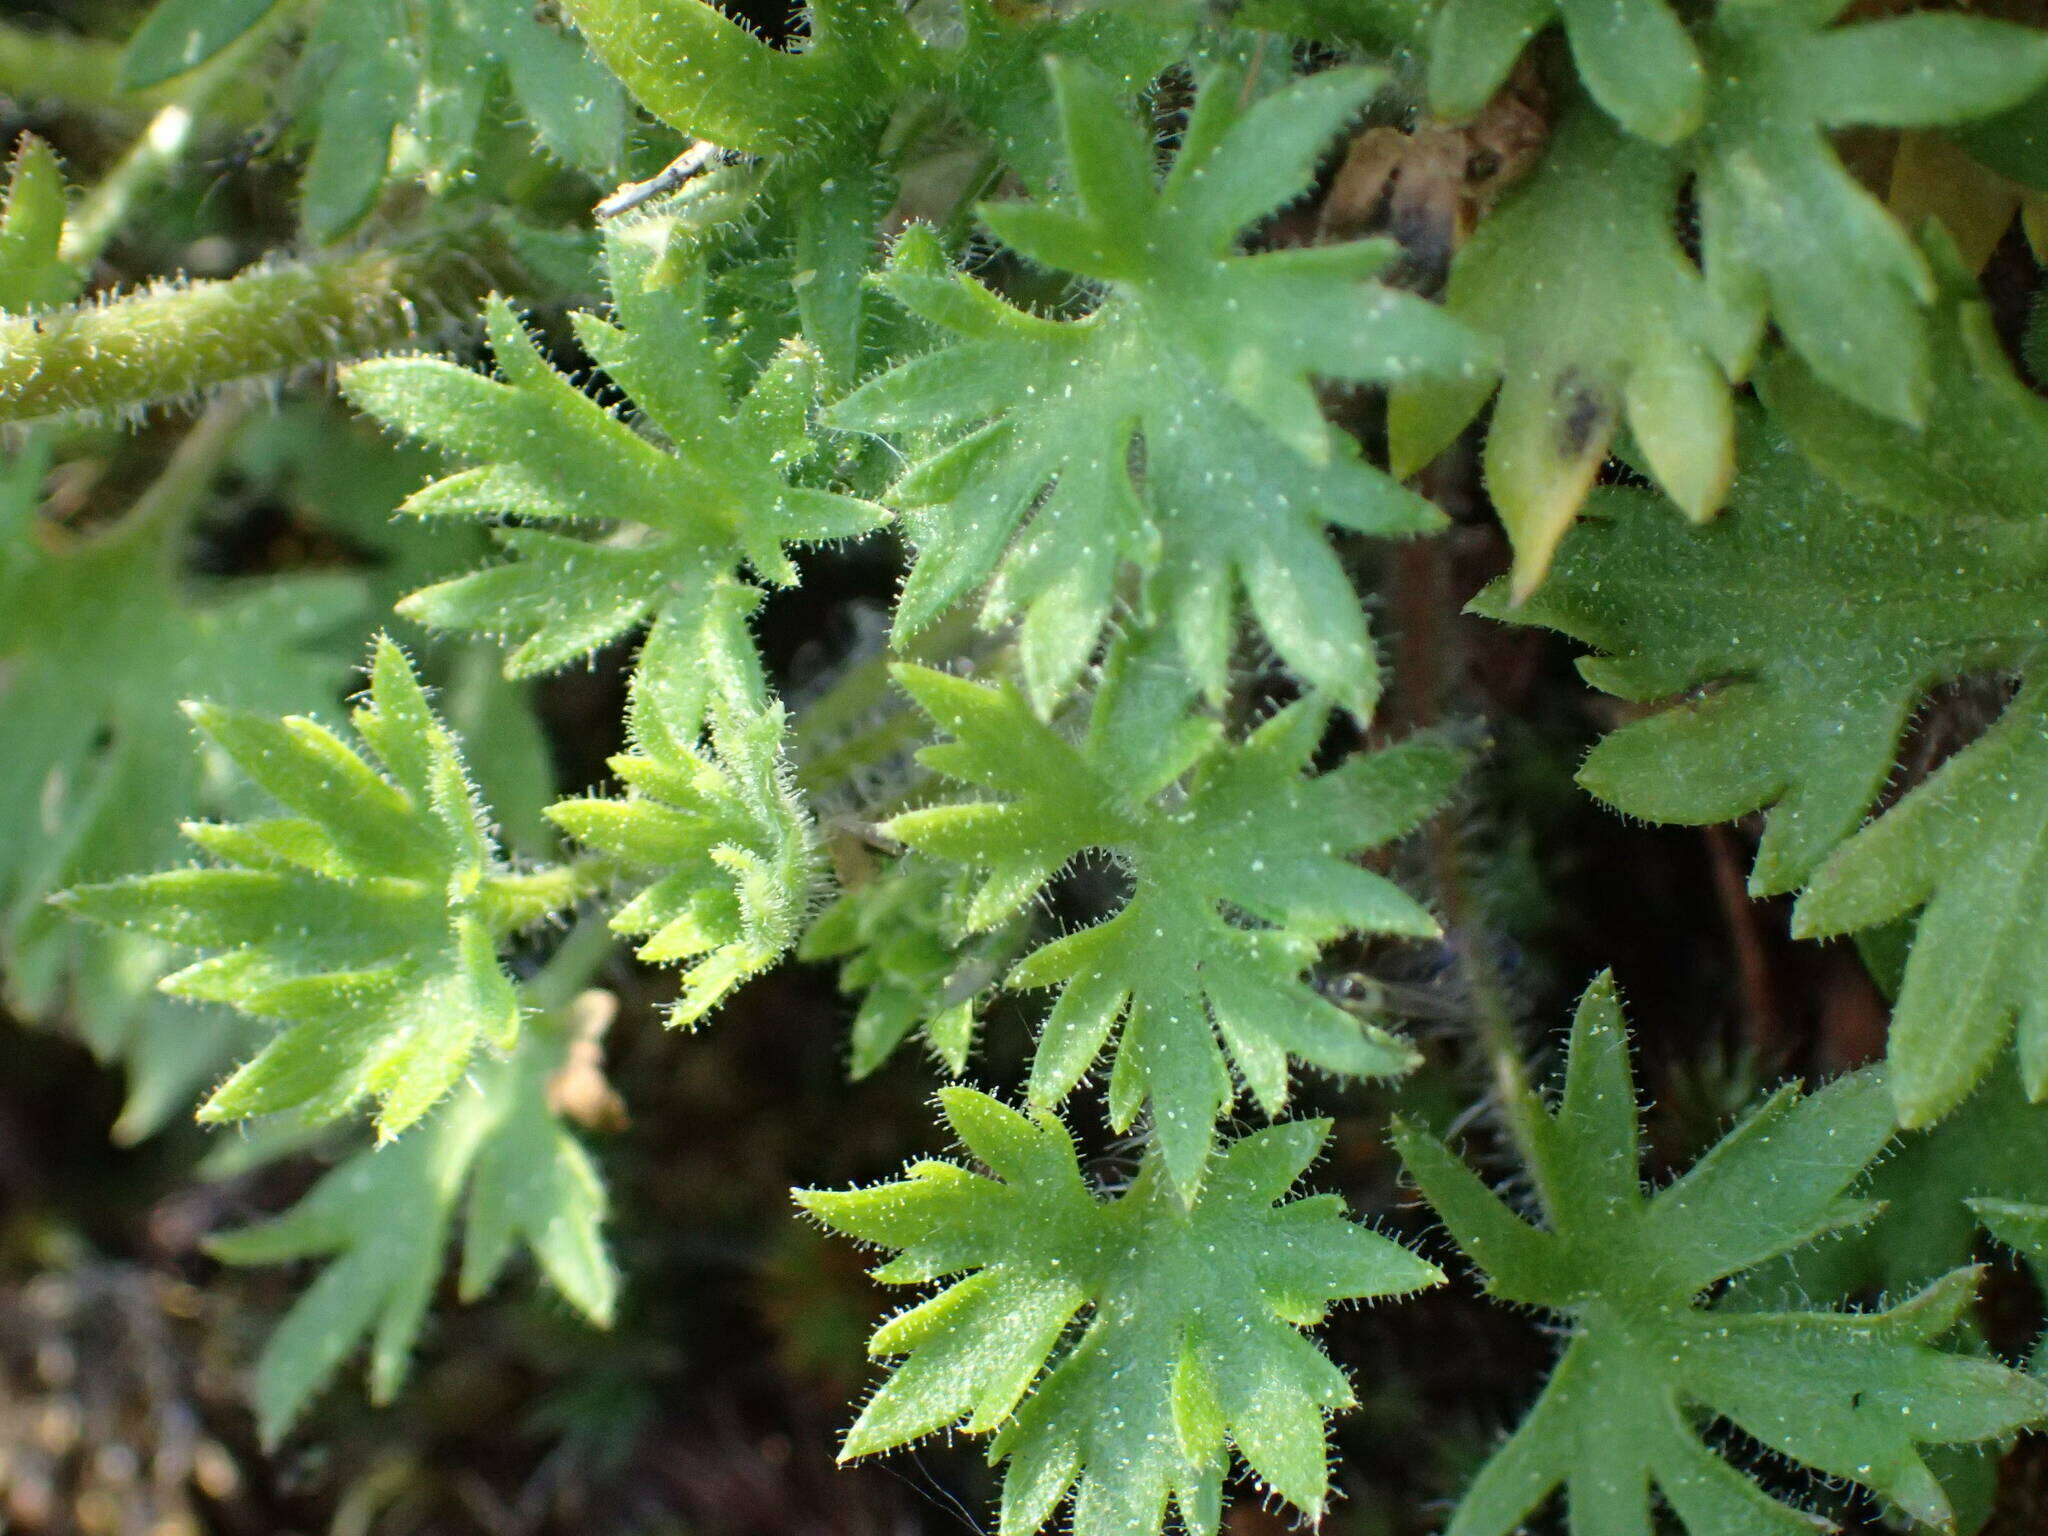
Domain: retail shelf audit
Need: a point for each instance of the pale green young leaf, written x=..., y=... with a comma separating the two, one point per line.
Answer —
x=1851, y=1395
x=1604, y=320
x=366, y=920
x=33, y=275
x=1117, y=1359
x=716, y=826
x=1240, y=867
x=1200, y=361
x=494, y=1152
x=615, y=529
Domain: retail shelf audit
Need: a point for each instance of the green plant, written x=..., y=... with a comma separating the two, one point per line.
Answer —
x=1030, y=316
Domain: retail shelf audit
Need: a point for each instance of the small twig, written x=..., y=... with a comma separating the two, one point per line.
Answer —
x=1752, y=954
x=635, y=194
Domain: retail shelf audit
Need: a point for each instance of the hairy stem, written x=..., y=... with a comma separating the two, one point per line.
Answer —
x=176, y=340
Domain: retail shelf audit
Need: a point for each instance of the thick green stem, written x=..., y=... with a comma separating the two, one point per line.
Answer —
x=173, y=341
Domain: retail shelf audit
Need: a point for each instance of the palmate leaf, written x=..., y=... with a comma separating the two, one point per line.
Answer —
x=1802, y=630
x=1994, y=1147
x=100, y=639
x=1605, y=319
x=1240, y=869
x=1634, y=56
x=1970, y=848
x=496, y=1153
x=1851, y=1395
x=684, y=514
x=1786, y=233
x=1199, y=358
x=1172, y=1355
x=732, y=849
x=1797, y=632
x=367, y=920
x=1785, y=229
x=370, y=68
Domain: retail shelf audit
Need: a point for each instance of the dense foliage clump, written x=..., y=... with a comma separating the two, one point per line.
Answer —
x=1073, y=515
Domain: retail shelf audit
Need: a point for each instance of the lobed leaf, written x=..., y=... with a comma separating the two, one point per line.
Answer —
x=1115, y=1359
x=1198, y=361
x=1803, y=629
x=722, y=831
x=1240, y=868
x=1853, y=1395
x=682, y=516
x=367, y=923
x=527, y=1181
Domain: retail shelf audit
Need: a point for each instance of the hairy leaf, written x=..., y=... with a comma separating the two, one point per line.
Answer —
x=730, y=846
x=1117, y=1357
x=1198, y=360
x=1797, y=633
x=33, y=274
x=366, y=920
x=495, y=1152
x=1969, y=847
x=1801, y=631
x=683, y=514
x=1851, y=1395
x=1240, y=868
x=1995, y=1147
x=838, y=119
